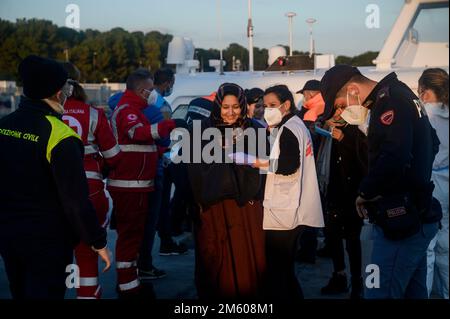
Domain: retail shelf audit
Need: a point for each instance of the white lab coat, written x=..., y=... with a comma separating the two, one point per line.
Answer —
x=293, y=200
x=437, y=253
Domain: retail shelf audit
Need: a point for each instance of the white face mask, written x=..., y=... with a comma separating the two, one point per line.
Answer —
x=365, y=127
x=355, y=114
x=58, y=106
x=273, y=115
x=152, y=97
x=431, y=107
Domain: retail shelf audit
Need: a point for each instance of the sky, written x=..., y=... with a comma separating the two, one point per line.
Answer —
x=340, y=28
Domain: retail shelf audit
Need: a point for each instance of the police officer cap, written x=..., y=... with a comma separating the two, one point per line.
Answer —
x=311, y=85
x=41, y=77
x=332, y=82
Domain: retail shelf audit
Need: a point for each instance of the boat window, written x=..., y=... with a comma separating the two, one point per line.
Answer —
x=180, y=112
x=428, y=21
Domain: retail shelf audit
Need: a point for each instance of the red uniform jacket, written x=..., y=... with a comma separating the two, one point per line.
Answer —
x=136, y=138
x=100, y=145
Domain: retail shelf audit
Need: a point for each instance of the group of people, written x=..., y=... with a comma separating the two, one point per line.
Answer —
x=356, y=150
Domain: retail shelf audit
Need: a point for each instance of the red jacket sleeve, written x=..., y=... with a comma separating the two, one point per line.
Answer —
x=106, y=141
x=139, y=131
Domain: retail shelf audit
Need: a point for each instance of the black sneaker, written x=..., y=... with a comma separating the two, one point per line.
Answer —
x=336, y=285
x=172, y=249
x=153, y=273
x=357, y=288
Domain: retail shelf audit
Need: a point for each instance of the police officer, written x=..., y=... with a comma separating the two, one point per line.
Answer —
x=44, y=203
x=397, y=192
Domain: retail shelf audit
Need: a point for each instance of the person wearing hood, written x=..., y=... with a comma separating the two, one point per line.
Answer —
x=347, y=167
x=229, y=238
x=433, y=92
x=44, y=204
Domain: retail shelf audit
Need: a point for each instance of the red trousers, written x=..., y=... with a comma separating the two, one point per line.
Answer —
x=87, y=259
x=131, y=210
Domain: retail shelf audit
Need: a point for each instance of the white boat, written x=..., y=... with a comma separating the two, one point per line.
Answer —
x=403, y=53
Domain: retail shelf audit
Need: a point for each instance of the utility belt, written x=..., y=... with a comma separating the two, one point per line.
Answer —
x=401, y=215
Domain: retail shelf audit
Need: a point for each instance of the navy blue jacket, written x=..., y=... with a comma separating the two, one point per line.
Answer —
x=402, y=144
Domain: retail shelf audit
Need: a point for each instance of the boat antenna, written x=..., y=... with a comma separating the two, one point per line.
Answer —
x=250, y=37
x=219, y=27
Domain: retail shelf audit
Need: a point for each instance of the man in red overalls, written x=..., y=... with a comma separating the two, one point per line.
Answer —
x=100, y=147
x=131, y=181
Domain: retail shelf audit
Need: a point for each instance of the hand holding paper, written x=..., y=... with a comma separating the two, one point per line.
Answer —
x=241, y=158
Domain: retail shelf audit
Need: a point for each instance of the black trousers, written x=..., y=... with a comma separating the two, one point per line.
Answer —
x=281, y=246
x=308, y=244
x=349, y=228
x=173, y=211
x=36, y=268
x=165, y=222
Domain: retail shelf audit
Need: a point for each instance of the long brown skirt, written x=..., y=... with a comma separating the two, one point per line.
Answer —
x=230, y=261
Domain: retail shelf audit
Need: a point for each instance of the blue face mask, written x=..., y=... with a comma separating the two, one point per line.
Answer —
x=168, y=92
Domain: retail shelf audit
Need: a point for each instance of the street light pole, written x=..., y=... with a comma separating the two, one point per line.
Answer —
x=219, y=26
x=290, y=16
x=93, y=65
x=250, y=37
x=93, y=60
x=310, y=22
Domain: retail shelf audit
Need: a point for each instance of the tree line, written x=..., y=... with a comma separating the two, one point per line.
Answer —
x=113, y=54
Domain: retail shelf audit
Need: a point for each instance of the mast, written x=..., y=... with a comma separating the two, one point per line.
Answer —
x=250, y=37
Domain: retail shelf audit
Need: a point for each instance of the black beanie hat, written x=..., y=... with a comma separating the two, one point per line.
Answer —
x=41, y=77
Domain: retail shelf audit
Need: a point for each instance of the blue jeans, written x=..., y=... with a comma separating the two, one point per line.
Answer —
x=402, y=264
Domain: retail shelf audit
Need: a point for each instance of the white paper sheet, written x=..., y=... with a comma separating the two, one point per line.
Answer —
x=241, y=158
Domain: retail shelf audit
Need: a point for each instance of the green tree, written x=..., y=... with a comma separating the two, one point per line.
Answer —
x=365, y=59
x=203, y=56
x=29, y=37
x=163, y=41
x=238, y=52
x=260, y=57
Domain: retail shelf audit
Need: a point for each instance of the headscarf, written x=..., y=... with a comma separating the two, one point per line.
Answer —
x=224, y=90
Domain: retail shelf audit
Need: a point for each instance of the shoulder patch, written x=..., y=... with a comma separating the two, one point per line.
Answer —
x=387, y=117
x=132, y=117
